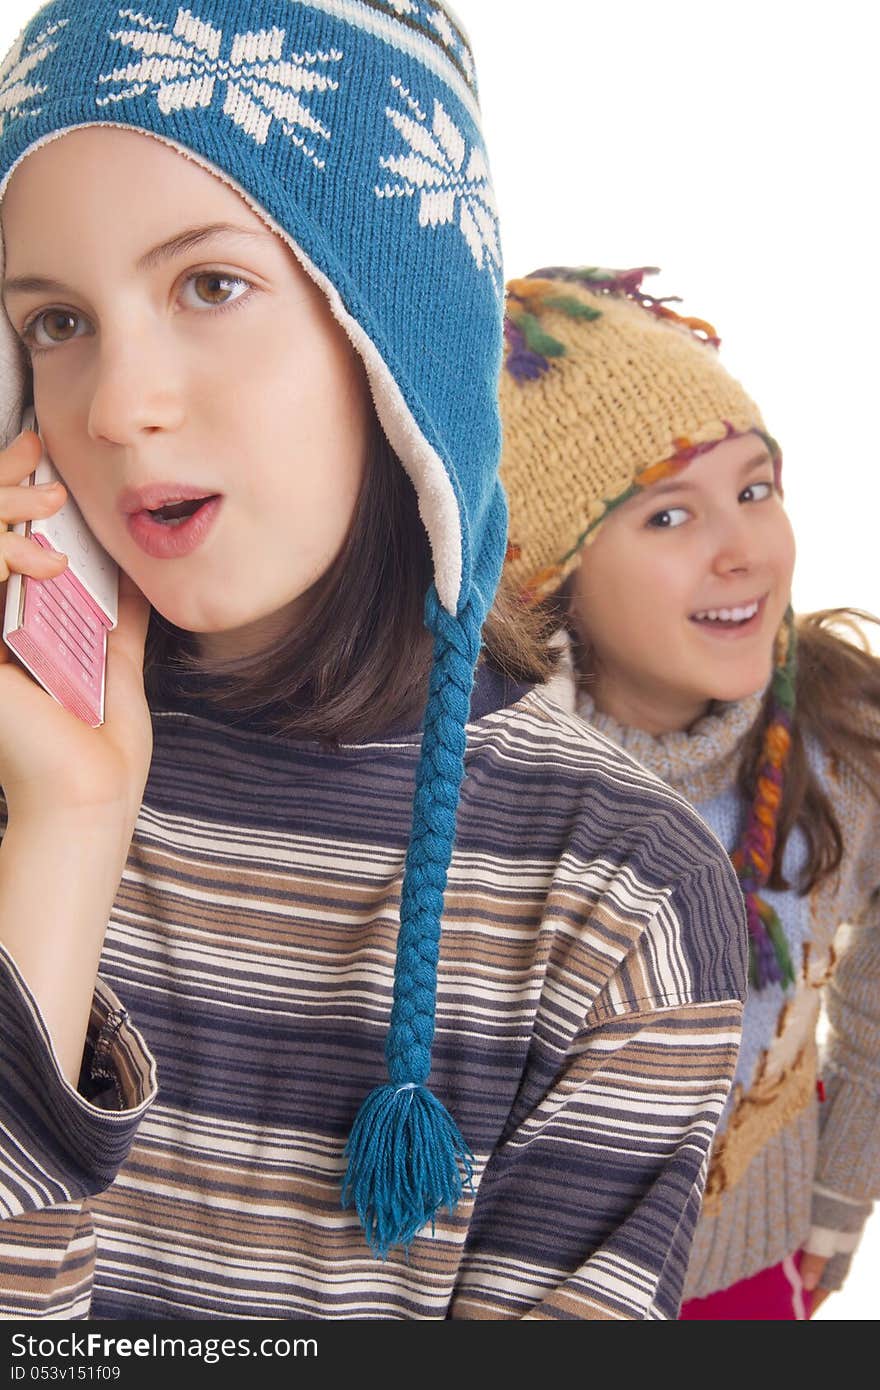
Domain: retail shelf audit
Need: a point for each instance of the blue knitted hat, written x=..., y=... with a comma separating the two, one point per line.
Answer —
x=352, y=128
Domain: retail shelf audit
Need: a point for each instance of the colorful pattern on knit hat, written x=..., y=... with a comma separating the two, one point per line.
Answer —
x=352, y=128
x=605, y=391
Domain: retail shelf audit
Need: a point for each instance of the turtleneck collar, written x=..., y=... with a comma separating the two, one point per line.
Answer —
x=700, y=762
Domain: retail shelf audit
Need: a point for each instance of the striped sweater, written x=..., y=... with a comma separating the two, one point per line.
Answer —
x=788, y=1169
x=591, y=978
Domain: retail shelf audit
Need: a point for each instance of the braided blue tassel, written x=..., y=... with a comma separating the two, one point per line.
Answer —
x=405, y=1160
x=406, y=1156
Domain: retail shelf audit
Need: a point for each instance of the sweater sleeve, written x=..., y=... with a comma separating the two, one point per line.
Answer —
x=59, y=1146
x=848, y=1167
x=847, y=1178
x=587, y=1209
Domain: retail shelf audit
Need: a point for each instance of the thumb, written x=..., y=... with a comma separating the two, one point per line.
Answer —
x=812, y=1267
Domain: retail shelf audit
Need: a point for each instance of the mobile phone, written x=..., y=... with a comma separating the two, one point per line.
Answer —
x=58, y=627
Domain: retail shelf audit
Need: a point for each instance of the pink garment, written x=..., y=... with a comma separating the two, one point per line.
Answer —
x=772, y=1295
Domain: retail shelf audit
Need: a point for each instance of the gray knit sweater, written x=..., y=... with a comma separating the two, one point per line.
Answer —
x=788, y=1169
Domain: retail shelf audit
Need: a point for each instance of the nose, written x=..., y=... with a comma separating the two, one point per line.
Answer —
x=137, y=391
x=734, y=544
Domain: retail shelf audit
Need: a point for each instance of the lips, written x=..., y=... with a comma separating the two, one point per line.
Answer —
x=166, y=534
x=728, y=613
x=732, y=619
x=156, y=495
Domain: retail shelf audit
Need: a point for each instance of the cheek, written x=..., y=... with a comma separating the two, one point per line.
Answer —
x=316, y=414
x=610, y=599
x=649, y=580
x=310, y=491
x=785, y=550
x=78, y=473
x=635, y=594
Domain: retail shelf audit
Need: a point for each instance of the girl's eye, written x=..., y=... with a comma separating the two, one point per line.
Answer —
x=212, y=289
x=671, y=517
x=51, y=328
x=756, y=492
x=209, y=289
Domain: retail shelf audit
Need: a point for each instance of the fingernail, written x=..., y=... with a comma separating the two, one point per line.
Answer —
x=46, y=487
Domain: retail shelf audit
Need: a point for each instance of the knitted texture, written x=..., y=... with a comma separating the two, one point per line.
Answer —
x=769, y=958
x=604, y=390
x=352, y=128
x=759, y=1192
x=438, y=784
x=607, y=390
x=408, y=1175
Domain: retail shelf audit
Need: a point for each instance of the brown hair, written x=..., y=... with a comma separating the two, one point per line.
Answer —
x=359, y=662
x=837, y=707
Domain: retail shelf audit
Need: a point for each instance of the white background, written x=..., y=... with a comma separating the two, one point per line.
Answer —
x=735, y=146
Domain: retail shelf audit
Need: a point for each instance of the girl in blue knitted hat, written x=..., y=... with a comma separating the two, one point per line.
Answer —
x=646, y=511
x=252, y=287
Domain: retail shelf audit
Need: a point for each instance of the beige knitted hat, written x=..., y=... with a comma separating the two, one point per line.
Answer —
x=604, y=391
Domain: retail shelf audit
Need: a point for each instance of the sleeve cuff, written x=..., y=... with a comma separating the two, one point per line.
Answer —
x=837, y=1225
x=118, y=1072
x=835, y=1272
x=61, y=1144
x=849, y=1142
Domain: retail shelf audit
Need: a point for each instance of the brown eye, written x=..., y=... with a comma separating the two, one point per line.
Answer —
x=53, y=328
x=212, y=288
x=58, y=325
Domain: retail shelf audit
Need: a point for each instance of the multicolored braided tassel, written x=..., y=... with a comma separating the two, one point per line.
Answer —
x=769, y=957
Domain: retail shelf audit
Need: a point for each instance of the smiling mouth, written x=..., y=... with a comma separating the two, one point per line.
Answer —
x=731, y=618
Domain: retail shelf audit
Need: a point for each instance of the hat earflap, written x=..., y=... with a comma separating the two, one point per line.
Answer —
x=406, y=1156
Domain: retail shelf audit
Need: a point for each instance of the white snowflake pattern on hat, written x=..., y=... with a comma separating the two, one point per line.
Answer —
x=258, y=84
x=17, y=90
x=435, y=166
x=440, y=21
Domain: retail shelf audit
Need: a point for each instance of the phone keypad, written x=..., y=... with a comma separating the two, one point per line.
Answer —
x=63, y=639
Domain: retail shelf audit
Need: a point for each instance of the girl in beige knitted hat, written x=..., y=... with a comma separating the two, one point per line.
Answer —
x=647, y=516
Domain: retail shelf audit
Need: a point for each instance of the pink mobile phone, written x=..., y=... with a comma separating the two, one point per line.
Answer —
x=58, y=627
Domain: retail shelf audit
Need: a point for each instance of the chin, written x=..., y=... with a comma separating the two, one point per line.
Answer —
x=190, y=612
x=733, y=689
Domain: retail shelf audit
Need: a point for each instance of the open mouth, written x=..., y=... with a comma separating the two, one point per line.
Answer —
x=729, y=619
x=176, y=513
x=175, y=529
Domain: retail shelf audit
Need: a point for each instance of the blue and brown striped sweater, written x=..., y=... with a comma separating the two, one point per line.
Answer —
x=592, y=972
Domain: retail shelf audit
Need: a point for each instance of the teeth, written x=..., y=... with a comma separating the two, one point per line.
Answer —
x=728, y=615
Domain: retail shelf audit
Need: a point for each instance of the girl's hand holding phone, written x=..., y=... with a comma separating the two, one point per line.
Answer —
x=49, y=759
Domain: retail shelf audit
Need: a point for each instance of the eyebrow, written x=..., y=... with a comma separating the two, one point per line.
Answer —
x=175, y=246
x=677, y=485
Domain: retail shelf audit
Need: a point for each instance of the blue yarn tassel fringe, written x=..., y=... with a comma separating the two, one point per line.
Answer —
x=406, y=1159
